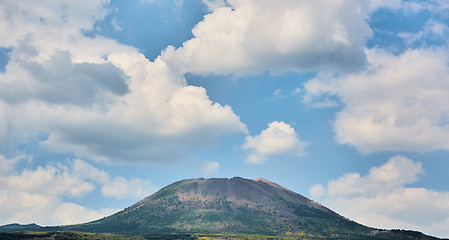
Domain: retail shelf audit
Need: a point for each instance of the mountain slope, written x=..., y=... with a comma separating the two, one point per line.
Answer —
x=15, y=227
x=234, y=205
x=220, y=209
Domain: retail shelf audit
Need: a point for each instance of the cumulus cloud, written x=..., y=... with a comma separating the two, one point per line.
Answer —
x=69, y=213
x=148, y=126
x=278, y=139
x=210, y=167
x=399, y=103
x=433, y=30
x=7, y=165
x=84, y=170
x=250, y=36
x=37, y=195
x=66, y=18
x=120, y=187
x=42, y=195
x=58, y=80
x=94, y=97
x=382, y=199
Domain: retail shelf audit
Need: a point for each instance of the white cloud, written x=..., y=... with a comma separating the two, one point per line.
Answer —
x=58, y=80
x=43, y=195
x=212, y=5
x=317, y=191
x=7, y=165
x=395, y=173
x=399, y=103
x=93, y=96
x=65, y=17
x=84, y=170
x=381, y=198
x=296, y=91
x=119, y=187
x=278, y=93
x=51, y=180
x=37, y=195
x=210, y=167
x=278, y=139
x=318, y=91
x=432, y=30
x=70, y=213
x=253, y=36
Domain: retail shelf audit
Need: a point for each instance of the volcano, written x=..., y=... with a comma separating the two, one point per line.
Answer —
x=235, y=206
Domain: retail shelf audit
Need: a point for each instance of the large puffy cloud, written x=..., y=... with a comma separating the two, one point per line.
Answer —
x=67, y=213
x=93, y=96
x=63, y=18
x=277, y=140
x=156, y=121
x=36, y=196
x=116, y=187
x=253, y=36
x=42, y=195
x=398, y=103
x=382, y=199
x=58, y=80
x=84, y=170
x=120, y=187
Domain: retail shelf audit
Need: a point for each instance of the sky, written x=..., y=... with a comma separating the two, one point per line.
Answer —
x=102, y=103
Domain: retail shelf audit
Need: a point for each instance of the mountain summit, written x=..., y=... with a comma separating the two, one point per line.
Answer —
x=236, y=205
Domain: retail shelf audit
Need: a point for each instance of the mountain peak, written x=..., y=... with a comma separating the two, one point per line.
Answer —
x=217, y=205
x=261, y=180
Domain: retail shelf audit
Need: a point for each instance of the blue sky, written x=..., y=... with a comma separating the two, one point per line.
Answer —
x=104, y=102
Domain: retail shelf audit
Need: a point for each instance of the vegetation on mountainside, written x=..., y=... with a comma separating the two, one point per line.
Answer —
x=68, y=235
x=72, y=235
